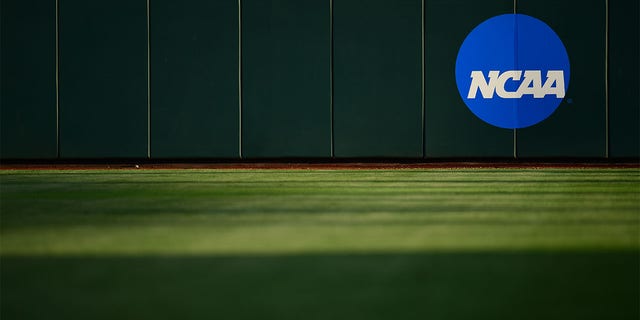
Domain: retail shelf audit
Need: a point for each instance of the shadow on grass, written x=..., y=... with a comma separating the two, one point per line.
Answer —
x=447, y=285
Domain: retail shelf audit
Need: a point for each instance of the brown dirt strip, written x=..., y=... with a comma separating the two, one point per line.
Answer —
x=317, y=166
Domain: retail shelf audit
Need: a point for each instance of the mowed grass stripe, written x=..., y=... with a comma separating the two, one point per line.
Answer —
x=124, y=212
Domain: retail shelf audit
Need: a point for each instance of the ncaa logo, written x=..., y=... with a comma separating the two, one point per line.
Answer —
x=512, y=71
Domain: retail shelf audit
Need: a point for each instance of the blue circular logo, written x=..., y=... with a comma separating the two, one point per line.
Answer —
x=512, y=71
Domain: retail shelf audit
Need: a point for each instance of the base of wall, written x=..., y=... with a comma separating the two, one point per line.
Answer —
x=317, y=164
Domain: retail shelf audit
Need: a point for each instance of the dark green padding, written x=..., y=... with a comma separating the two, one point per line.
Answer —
x=28, y=79
x=103, y=79
x=624, y=65
x=194, y=79
x=286, y=78
x=578, y=127
x=377, y=78
x=451, y=130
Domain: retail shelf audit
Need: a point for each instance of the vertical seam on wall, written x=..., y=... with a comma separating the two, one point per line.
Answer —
x=422, y=91
x=606, y=76
x=148, y=81
x=57, y=79
x=331, y=77
x=515, y=131
x=240, y=78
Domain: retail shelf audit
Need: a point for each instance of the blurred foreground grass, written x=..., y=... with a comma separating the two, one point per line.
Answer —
x=438, y=244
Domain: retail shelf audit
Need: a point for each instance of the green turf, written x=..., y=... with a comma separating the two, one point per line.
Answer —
x=409, y=244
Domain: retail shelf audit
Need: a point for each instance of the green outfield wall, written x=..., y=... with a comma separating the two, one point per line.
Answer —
x=258, y=79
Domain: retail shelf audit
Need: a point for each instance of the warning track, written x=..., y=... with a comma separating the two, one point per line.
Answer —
x=314, y=165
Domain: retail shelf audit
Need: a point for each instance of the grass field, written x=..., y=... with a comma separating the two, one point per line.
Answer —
x=270, y=244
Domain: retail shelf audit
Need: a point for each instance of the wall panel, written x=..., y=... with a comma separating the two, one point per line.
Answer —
x=28, y=79
x=194, y=79
x=377, y=78
x=578, y=127
x=452, y=130
x=286, y=78
x=103, y=79
x=624, y=86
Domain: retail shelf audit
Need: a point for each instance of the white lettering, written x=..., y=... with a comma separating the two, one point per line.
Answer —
x=531, y=84
x=502, y=81
x=554, y=77
x=479, y=82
